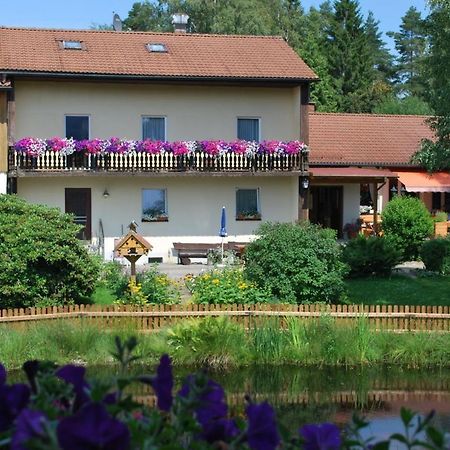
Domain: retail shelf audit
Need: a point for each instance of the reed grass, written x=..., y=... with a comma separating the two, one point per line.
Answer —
x=221, y=343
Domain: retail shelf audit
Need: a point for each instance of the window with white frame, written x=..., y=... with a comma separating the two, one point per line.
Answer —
x=77, y=127
x=248, y=129
x=154, y=205
x=247, y=204
x=154, y=128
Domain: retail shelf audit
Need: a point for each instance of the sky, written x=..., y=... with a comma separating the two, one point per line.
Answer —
x=84, y=13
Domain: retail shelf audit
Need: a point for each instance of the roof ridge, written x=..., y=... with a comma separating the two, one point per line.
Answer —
x=318, y=113
x=131, y=32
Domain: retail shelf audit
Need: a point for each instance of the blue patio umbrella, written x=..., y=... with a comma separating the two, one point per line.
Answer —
x=223, y=224
x=223, y=227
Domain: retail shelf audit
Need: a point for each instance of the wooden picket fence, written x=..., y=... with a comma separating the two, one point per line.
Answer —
x=155, y=317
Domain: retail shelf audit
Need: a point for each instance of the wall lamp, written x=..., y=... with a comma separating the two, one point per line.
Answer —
x=105, y=193
x=305, y=183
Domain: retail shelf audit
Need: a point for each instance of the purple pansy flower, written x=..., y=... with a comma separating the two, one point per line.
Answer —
x=13, y=399
x=325, y=436
x=74, y=375
x=262, y=433
x=163, y=383
x=220, y=430
x=92, y=428
x=29, y=424
x=211, y=411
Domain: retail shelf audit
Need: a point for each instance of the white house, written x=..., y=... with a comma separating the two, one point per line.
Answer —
x=145, y=89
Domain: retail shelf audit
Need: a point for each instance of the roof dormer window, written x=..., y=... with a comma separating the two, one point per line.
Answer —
x=157, y=48
x=72, y=45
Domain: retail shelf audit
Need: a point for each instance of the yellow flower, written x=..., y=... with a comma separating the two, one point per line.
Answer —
x=215, y=281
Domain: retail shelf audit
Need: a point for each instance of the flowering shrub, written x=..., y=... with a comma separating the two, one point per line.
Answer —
x=59, y=409
x=227, y=286
x=150, y=287
x=36, y=146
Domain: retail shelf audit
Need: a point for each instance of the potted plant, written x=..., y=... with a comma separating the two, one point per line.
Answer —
x=248, y=215
x=440, y=224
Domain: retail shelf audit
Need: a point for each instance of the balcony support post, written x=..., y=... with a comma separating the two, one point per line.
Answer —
x=3, y=141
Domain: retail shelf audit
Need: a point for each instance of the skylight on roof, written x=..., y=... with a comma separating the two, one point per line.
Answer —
x=157, y=48
x=72, y=45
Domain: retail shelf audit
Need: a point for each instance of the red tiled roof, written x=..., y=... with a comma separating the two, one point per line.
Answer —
x=365, y=139
x=125, y=54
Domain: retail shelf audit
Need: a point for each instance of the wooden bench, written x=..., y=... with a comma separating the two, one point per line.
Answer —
x=189, y=250
x=192, y=250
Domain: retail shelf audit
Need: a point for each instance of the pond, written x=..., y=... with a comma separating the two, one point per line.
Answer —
x=304, y=395
x=311, y=394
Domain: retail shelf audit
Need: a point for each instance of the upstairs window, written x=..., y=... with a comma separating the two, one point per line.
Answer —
x=154, y=205
x=72, y=45
x=77, y=127
x=248, y=129
x=247, y=204
x=154, y=128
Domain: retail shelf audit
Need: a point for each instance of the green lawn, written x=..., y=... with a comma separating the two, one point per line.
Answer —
x=400, y=290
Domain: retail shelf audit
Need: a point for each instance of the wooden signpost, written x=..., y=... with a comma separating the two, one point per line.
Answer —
x=132, y=246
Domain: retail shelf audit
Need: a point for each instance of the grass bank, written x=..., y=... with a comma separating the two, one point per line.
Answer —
x=219, y=343
x=400, y=290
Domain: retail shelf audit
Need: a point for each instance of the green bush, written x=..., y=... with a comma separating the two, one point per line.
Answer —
x=407, y=221
x=42, y=261
x=435, y=254
x=371, y=256
x=227, y=286
x=114, y=278
x=296, y=263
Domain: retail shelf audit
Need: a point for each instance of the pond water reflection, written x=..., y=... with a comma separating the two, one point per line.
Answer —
x=305, y=395
x=302, y=395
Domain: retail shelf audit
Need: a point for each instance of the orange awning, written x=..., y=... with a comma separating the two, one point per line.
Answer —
x=425, y=182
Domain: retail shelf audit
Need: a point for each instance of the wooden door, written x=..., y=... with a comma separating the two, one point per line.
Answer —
x=78, y=203
x=327, y=207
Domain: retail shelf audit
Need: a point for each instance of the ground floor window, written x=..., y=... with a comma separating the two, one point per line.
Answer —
x=247, y=204
x=154, y=205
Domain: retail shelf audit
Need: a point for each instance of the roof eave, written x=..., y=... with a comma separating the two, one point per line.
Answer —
x=362, y=164
x=134, y=77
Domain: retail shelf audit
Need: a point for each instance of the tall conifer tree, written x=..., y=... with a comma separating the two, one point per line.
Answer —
x=411, y=44
x=350, y=59
x=435, y=155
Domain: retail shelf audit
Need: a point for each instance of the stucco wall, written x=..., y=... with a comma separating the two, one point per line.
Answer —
x=351, y=203
x=194, y=205
x=192, y=112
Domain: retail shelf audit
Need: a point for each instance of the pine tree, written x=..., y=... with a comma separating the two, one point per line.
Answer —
x=383, y=60
x=312, y=50
x=350, y=59
x=411, y=44
x=435, y=155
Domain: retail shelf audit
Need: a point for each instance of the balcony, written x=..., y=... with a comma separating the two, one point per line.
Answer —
x=198, y=161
